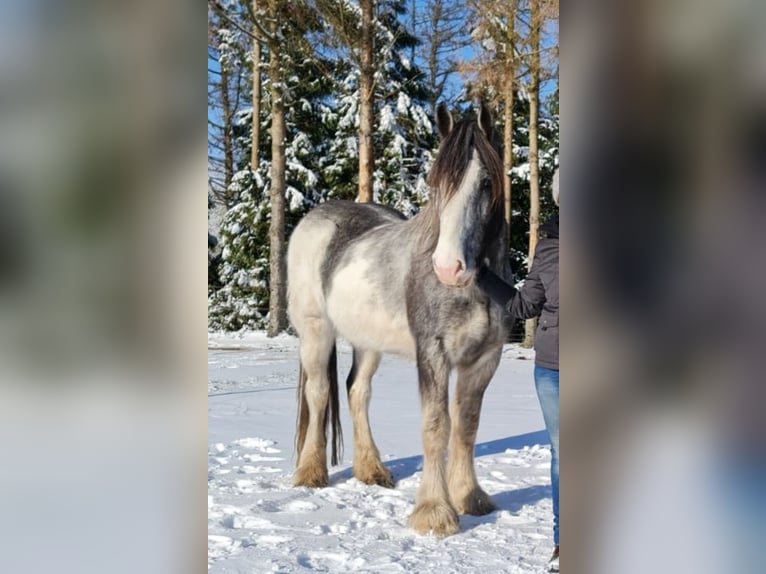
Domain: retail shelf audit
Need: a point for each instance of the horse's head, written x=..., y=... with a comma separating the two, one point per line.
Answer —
x=467, y=193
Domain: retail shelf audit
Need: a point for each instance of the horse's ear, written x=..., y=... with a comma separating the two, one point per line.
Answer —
x=443, y=120
x=486, y=123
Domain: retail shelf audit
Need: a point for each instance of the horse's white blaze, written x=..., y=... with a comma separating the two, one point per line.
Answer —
x=360, y=316
x=448, y=258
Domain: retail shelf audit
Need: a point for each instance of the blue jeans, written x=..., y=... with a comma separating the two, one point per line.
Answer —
x=547, y=385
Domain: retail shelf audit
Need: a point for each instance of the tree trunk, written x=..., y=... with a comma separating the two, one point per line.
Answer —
x=277, y=280
x=508, y=148
x=254, y=152
x=414, y=24
x=510, y=70
x=366, y=106
x=534, y=175
x=228, y=150
x=433, y=55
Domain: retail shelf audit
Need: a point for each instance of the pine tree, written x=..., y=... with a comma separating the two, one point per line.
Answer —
x=403, y=135
x=244, y=299
x=239, y=303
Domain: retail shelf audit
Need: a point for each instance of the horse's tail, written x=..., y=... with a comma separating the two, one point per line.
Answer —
x=332, y=410
x=332, y=414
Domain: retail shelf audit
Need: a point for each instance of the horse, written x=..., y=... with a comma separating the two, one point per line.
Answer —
x=388, y=284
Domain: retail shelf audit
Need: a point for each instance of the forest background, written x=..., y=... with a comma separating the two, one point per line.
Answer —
x=344, y=94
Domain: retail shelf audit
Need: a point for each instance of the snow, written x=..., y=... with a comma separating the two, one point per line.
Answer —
x=259, y=522
x=521, y=171
x=295, y=199
x=215, y=219
x=351, y=146
x=387, y=119
x=403, y=104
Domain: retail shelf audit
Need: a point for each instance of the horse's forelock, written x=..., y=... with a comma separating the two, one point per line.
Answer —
x=455, y=153
x=451, y=162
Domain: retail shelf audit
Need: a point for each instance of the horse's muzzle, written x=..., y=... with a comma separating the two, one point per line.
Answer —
x=454, y=276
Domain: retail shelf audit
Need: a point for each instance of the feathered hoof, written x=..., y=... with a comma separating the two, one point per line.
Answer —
x=374, y=474
x=477, y=502
x=437, y=517
x=311, y=476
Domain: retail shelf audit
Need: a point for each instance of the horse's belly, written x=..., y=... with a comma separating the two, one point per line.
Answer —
x=361, y=314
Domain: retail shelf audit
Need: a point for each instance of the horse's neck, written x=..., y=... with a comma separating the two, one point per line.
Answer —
x=424, y=226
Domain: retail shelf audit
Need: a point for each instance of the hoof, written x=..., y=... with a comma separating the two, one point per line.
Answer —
x=375, y=474
x=312, y=477
x=477, y=502
x=437, y=517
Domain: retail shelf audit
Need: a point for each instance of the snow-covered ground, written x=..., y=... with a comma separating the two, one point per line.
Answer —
x=258, y=522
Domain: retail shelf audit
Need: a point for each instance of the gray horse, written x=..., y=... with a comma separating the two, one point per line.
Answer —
x=391, y=285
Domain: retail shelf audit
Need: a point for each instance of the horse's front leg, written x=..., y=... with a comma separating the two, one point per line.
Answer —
x=464, y=490
x=433, y=510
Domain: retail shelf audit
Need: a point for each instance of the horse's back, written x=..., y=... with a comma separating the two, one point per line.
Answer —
x=339, y=269
x=351, y=218
x=322, y=236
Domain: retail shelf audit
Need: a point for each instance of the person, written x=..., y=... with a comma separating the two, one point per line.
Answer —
x=539, y=297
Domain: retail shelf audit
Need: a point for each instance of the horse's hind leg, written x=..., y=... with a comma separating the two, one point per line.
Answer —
x=367, y=465
x=465, y=493
x=317, y=339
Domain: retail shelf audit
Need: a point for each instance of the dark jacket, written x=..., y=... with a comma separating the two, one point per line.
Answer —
x=539, y=297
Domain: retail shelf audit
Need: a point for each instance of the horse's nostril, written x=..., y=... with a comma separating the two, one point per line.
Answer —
x=449, y=271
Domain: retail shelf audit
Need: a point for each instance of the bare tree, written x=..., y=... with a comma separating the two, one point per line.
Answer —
x=266, y=16
x=223, y=80
x=510, y=84
x=277, y=273
x=497, y=69
x=441, y=27
x=256, y=92
x=536, y=21
x=228, y=150
x=366, y=104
